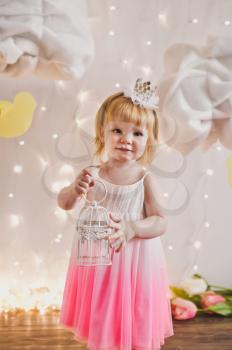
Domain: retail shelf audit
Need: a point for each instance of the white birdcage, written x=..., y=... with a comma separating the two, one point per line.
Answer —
x=93, y=234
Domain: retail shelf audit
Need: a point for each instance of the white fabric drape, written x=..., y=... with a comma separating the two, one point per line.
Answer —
x=40, y=37
x=196, y=95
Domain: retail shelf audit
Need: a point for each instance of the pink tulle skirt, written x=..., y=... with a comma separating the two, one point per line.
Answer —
x=123, y=306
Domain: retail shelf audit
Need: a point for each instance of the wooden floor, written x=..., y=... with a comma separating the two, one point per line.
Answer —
x=37, y=332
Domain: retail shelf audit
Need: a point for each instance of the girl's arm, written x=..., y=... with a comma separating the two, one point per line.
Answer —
x=155, y=224
x=152, y=226
x=67, y=197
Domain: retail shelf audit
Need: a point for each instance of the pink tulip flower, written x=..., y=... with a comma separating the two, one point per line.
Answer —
x=210, y=298
x=183, y=309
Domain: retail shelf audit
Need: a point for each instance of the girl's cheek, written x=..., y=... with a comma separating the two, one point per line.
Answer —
x=115, y=138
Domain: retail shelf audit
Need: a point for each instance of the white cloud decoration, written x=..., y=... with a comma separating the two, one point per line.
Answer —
x=48, y=38
x=196, y=95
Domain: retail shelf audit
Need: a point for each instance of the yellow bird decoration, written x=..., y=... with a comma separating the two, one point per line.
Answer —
x=16, y=117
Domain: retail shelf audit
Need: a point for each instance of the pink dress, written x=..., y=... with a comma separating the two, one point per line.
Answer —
x=125, y=305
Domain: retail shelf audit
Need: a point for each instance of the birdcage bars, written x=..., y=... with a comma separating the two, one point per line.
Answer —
x=93, y=233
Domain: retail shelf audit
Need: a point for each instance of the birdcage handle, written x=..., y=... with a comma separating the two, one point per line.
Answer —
x=101, y=200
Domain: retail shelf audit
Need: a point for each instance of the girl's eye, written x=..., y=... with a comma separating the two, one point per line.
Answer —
x=136, y=133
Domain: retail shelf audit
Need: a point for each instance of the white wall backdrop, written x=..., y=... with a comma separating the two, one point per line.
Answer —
x=130, y=38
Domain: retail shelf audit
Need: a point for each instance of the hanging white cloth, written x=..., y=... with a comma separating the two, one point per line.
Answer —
x=42, y=37
x=196, y=95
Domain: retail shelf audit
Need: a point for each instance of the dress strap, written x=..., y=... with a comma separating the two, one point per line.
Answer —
x=146, y=173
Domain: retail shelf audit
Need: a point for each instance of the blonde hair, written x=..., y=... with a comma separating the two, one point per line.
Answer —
x=121, y=107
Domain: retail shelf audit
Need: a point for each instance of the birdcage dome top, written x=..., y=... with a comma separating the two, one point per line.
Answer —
x=93, y=216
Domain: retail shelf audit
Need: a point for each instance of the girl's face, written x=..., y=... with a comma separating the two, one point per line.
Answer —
x=124, y=141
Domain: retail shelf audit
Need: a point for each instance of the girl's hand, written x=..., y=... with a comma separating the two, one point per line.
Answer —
x=83, y=182
x=123, y=232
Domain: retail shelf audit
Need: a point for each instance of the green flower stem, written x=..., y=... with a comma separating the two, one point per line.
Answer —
x=221, y=288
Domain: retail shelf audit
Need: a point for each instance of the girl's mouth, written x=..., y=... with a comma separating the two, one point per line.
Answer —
x=124, y=149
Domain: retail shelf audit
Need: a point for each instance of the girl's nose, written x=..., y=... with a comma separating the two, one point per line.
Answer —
x=126, y=140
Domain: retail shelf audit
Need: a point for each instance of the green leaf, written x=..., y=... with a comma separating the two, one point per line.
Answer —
x=196, y=299
x=220, y=289
x=223, y=292
x=196, y=275
x=180, y=292
x=223, y=309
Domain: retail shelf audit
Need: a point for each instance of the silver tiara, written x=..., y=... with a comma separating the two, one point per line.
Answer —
x=143, y=94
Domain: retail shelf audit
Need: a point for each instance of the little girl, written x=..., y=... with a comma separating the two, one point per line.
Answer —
x=124, y=305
